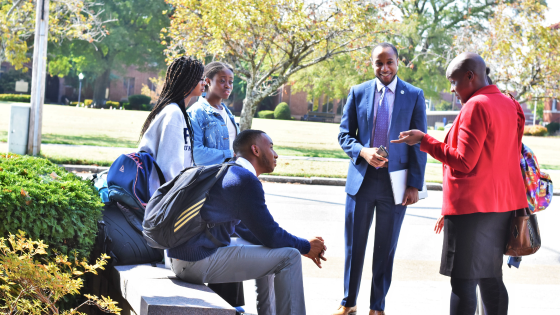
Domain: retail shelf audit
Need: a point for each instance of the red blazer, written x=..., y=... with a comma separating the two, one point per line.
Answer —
x=481, y=153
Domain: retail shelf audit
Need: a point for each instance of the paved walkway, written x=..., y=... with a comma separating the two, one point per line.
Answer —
x=417, y=288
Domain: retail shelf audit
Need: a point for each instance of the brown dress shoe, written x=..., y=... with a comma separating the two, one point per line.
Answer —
x=343, y=310
x=372, y=312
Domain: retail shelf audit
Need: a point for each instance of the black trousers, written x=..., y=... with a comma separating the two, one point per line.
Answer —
x=231, y=292
x=493, y=292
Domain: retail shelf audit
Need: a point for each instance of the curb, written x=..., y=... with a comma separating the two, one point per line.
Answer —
x=84, y=168
x=322, y=181
x=265, y=178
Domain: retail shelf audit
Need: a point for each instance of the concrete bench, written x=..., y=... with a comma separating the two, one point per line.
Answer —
x=322, y=117
x=157, y=291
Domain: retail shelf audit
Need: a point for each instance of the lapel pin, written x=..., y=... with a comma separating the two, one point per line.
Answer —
x=402, y=92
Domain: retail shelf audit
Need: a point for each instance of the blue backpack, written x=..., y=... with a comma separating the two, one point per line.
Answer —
x=128, y=180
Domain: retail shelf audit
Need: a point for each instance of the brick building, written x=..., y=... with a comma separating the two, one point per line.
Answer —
x=58, y=90
x=551, y=111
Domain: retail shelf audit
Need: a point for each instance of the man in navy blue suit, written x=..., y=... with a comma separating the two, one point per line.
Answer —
x=375, y=112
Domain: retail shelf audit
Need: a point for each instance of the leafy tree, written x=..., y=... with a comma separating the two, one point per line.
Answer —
x=134, y=40
x=522, y=52
x=68, y=19
x=268, y=41
x=424, y=37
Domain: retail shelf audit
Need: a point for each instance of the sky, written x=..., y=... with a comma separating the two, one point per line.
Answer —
x=553, y=14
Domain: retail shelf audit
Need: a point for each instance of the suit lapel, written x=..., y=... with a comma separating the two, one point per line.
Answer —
x=370, y=98
x=400, y=98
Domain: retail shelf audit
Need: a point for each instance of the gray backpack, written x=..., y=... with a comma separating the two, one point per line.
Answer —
x=172, y=215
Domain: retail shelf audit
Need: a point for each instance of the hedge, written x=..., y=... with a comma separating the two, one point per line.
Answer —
x=553, y=127
x=114, y=104
x=48, y=203
x=15, y=98
x=535, y=130
x=88, y=102
x=139, y=101
x=282, y=111
x=267, y=114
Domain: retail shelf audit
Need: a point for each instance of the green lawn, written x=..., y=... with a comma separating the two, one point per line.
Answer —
x=119, y=130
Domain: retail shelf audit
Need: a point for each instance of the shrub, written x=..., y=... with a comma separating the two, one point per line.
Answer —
x=535, y=130
x=48, y=203
x=29, y=285
x=15, y=98
x=266, y=114
x=136, y=101
x=126, y=105
x=146, y=107
x=282, y=111
x=553, y=127
x=441, y=128
x=88, y=102
x=111, y=103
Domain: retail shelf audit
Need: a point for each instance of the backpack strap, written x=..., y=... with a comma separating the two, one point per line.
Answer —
x=160, y=174
x=220, y=174
x=158, y=169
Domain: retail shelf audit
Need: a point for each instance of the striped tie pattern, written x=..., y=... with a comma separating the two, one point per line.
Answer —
x=381, y=121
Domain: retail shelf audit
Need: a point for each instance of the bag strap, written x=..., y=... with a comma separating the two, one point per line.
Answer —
x=158, y=169
x=160, y=174
x=132, y=219
x=207, y=227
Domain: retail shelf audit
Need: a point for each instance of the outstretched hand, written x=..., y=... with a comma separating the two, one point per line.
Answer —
x=410, y=137
x=317, y=250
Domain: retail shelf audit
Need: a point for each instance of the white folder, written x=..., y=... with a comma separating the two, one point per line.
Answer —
x=398, y=182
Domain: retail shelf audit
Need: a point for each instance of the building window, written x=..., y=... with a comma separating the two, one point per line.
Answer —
x=2, y=70
x=128, y=85
x=340, y=108
x=328, y=106
x=151, y=86
x=554, y=105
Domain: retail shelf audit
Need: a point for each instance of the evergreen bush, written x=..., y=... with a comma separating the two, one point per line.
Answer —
x=282, y=111
x=88, y=102
x=48, y=203
x=138, y=101
x=553, y=127
x=22, y=98
x=266, y=114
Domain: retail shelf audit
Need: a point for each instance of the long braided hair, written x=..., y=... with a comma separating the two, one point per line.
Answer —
x=183, y=75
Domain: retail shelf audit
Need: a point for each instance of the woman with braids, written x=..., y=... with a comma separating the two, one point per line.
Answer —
x=165, y=134
x=214, y=127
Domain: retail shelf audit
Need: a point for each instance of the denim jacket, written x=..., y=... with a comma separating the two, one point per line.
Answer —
x=210, y=133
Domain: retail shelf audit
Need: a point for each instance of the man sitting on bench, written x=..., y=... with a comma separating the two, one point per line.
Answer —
x=239, y=197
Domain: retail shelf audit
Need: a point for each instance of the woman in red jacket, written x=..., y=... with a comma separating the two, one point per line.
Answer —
x=482, y=184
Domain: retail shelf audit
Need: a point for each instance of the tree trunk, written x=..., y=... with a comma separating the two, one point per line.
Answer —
x=247, y=113
x=100, y=86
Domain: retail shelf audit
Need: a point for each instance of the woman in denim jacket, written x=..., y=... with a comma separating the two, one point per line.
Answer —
x=214, y=127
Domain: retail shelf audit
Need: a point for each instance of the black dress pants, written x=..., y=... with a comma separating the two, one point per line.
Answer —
x=231, y=292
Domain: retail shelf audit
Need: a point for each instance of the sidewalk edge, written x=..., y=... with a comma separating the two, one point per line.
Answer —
x=265, y=178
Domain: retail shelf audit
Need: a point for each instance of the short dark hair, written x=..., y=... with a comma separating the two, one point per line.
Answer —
x=387, y=45
x=245, y=139
x=214, y=67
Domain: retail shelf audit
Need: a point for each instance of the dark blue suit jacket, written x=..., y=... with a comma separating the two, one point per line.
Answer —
x=409, y=112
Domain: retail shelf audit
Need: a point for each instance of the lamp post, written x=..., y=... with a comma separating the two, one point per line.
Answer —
x=81, y=77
